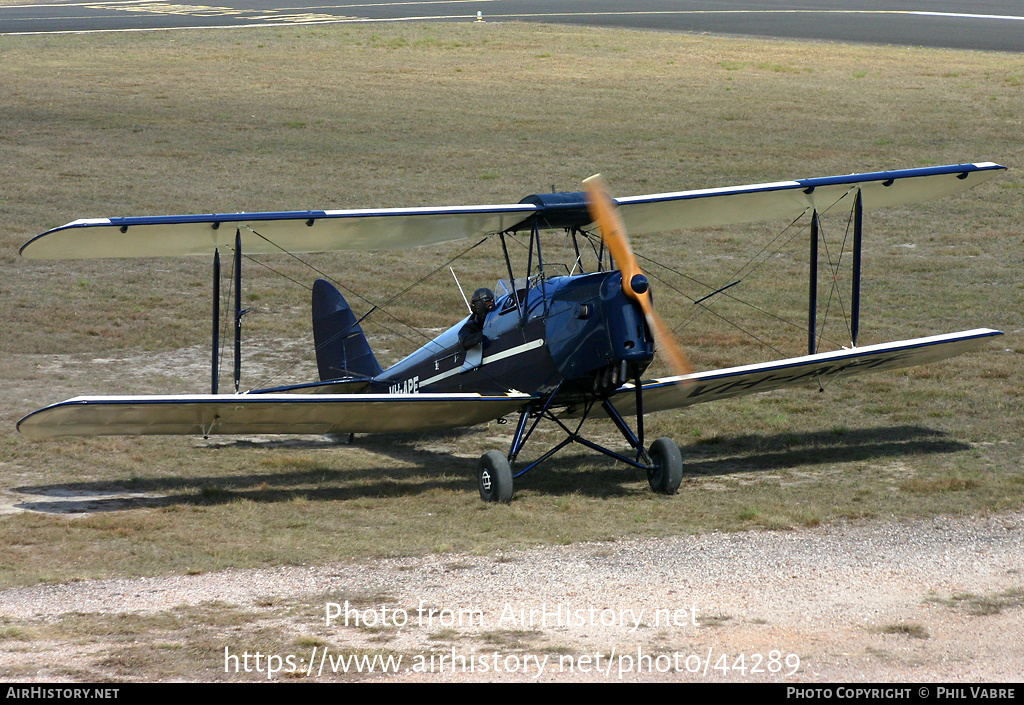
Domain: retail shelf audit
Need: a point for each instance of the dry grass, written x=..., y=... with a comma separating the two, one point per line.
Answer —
x=181, y=643
x=910, y=629
x=984, y=605
x=281, y=119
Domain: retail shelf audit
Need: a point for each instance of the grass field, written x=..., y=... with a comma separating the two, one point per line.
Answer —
x=343, y=116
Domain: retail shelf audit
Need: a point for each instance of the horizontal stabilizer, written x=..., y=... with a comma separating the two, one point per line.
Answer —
x=678, y=392
x=216, y=414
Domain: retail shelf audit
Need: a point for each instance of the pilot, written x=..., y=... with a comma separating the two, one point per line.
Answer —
x=472, y=333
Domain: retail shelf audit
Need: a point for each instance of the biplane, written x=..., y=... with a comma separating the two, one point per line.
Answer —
x=559, y=347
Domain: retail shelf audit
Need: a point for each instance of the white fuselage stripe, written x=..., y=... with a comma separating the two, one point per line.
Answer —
x=525, y=347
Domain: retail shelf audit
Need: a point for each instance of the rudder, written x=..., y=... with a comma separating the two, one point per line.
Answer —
x=341, y=346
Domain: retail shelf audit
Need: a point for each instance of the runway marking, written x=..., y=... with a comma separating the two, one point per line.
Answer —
x=760, y=12
x=967, y=16
x=398, y=4
x=112, y=3
x=279, y=16
x=288, y=16
x=164, y=8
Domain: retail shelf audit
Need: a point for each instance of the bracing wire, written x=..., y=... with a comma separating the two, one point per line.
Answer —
x=834, y=269
x=744, y=271
x=373, y=307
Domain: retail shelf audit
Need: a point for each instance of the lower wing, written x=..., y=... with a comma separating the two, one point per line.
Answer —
x=677, y=392
x=208, y=414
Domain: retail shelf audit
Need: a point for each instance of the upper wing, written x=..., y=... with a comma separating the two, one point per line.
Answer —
x=271, y=233
x=399, y=228
x=790, y=199
x=677, y=392
x=208, y=414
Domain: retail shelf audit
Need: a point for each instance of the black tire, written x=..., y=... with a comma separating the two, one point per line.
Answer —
x=666, y=471
x=494, y=478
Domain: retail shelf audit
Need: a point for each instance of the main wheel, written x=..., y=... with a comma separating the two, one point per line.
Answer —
x=494, y=477
x=666, y=471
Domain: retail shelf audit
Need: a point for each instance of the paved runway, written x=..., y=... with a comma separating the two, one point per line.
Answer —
x=980, y=24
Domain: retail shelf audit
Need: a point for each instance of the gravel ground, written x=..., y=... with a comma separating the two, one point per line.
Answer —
x=859, y=602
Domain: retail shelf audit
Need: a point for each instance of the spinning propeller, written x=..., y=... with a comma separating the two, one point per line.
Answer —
x=634, y=282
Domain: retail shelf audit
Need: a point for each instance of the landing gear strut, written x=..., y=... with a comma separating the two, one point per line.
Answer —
x=663, y=463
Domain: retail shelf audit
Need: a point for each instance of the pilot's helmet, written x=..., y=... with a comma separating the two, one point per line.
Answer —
x=482, y=301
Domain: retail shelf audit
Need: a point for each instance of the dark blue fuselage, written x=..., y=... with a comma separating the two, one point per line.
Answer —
x=579, y=331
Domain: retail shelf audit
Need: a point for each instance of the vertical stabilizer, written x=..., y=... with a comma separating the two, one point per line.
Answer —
x=341, y=347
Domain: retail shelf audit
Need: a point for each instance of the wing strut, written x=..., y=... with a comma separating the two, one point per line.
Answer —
x=215, y=346
x=239, y=312
x=812, y=277
x=238, y=309
x=812, y=289
x=858, y=231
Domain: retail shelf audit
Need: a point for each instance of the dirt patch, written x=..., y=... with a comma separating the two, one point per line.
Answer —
x=67, y=501
x=866, y=602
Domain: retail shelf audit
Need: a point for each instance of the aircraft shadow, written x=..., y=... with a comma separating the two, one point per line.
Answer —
x=419, y=470
x=757, y=452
